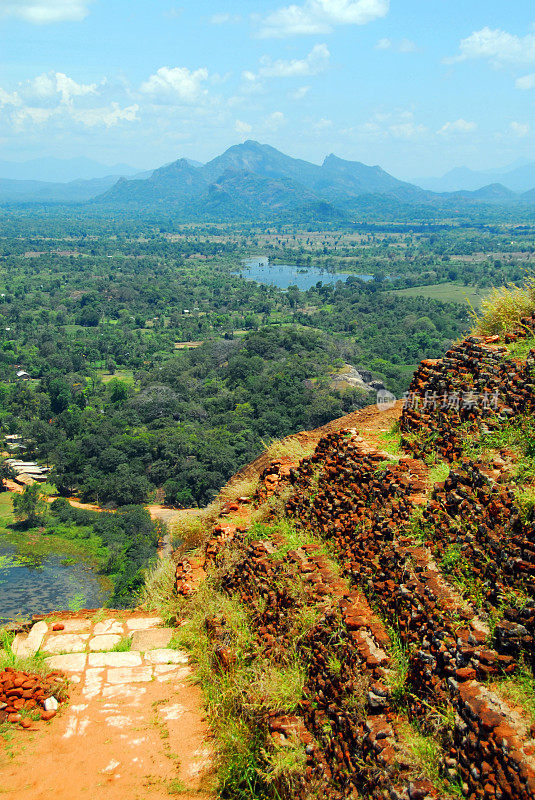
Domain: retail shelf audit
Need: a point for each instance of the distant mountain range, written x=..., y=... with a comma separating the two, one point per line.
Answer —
x=61, y=170
x=253, y=181
x=518, y=177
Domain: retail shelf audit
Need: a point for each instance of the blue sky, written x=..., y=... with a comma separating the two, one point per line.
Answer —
x=417, y=86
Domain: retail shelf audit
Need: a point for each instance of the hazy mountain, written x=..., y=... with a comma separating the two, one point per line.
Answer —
x=61, y=170
x=253, y=180
x=12, y=191
x=259, y=175
x=518, y=177
x=356, y=179
x=493, y=193
x=176, y=182
x=261, y=159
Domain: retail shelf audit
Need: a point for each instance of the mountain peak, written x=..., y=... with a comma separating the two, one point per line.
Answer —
x=260, y=175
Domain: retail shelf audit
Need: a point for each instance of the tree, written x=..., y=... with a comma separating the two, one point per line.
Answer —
x=30, y=505
x=6, y=473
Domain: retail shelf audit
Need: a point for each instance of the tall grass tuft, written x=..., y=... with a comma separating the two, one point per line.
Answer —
x=503, y=308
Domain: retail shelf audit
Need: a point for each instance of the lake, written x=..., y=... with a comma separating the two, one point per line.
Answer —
x=38, y=576
x=283, y=275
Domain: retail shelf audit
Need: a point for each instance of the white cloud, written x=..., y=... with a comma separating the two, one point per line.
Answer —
x=457, y=126
x=497, y=46
x=51, y=84
x=526, y=82
x=223, y=19
x=41, y=12
x=407, y=130
x=383, y=44
x=321, y=16
x=404, y=46
x=274, y=121
x=108, y=116
x=299, y=93
x=322, y=124
x=177, y=83
x=31, y=115
x=242, y=127
x=519, y=129
x=316, y=61
x=9, y=99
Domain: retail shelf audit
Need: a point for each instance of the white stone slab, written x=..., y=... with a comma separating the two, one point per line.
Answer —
x=152, y=638
x=166, y=656
x=66, y=643
x=108, y=626
x=164, y=673
x=74, y=662
x=104, y=642
x=94, y=680
x=27, y=645
x=142, y=623
x=127, y=659
x=129, y=675
x=122, y=692
x=172, y=712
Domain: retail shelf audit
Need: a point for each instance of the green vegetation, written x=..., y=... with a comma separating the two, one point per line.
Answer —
x=519, y=690
x=123, y=645
x=128, y=537
x=96, y=309
x=119, y=411
x=30, y=505
x=34, y=664
x=504, y=307
x=447, y=293
x=425, y=751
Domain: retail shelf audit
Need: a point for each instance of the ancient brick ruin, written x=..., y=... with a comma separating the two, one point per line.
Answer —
x=388, y=530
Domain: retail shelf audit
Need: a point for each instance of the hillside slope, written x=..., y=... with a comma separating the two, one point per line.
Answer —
x=359, y=605
x=369, y=616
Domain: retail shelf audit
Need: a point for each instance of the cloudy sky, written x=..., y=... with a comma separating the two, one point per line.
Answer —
x=418, y=86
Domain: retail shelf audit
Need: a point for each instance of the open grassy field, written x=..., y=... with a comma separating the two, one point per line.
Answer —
x=447, y=292
x=125, y=375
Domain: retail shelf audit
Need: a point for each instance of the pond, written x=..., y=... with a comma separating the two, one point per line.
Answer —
x=39, y=575
x=283, y=275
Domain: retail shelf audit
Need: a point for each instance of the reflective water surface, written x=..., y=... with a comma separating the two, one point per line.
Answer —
x=37, y=576
x=284, y=275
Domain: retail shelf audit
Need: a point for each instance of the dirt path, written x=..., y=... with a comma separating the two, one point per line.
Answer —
x=132, y=728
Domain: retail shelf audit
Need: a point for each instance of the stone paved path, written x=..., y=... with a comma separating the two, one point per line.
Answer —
x=133, y=728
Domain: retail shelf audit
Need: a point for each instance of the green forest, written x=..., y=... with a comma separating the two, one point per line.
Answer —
x=136, y=358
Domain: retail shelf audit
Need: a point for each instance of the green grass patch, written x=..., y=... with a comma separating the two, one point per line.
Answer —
x=447, y=293
x=123, y=645
x=34, y=664
x=391, y=440
x=426, y=752
x=520, y=349
x=438, y=473
x=123, y=375
x=519, y=690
